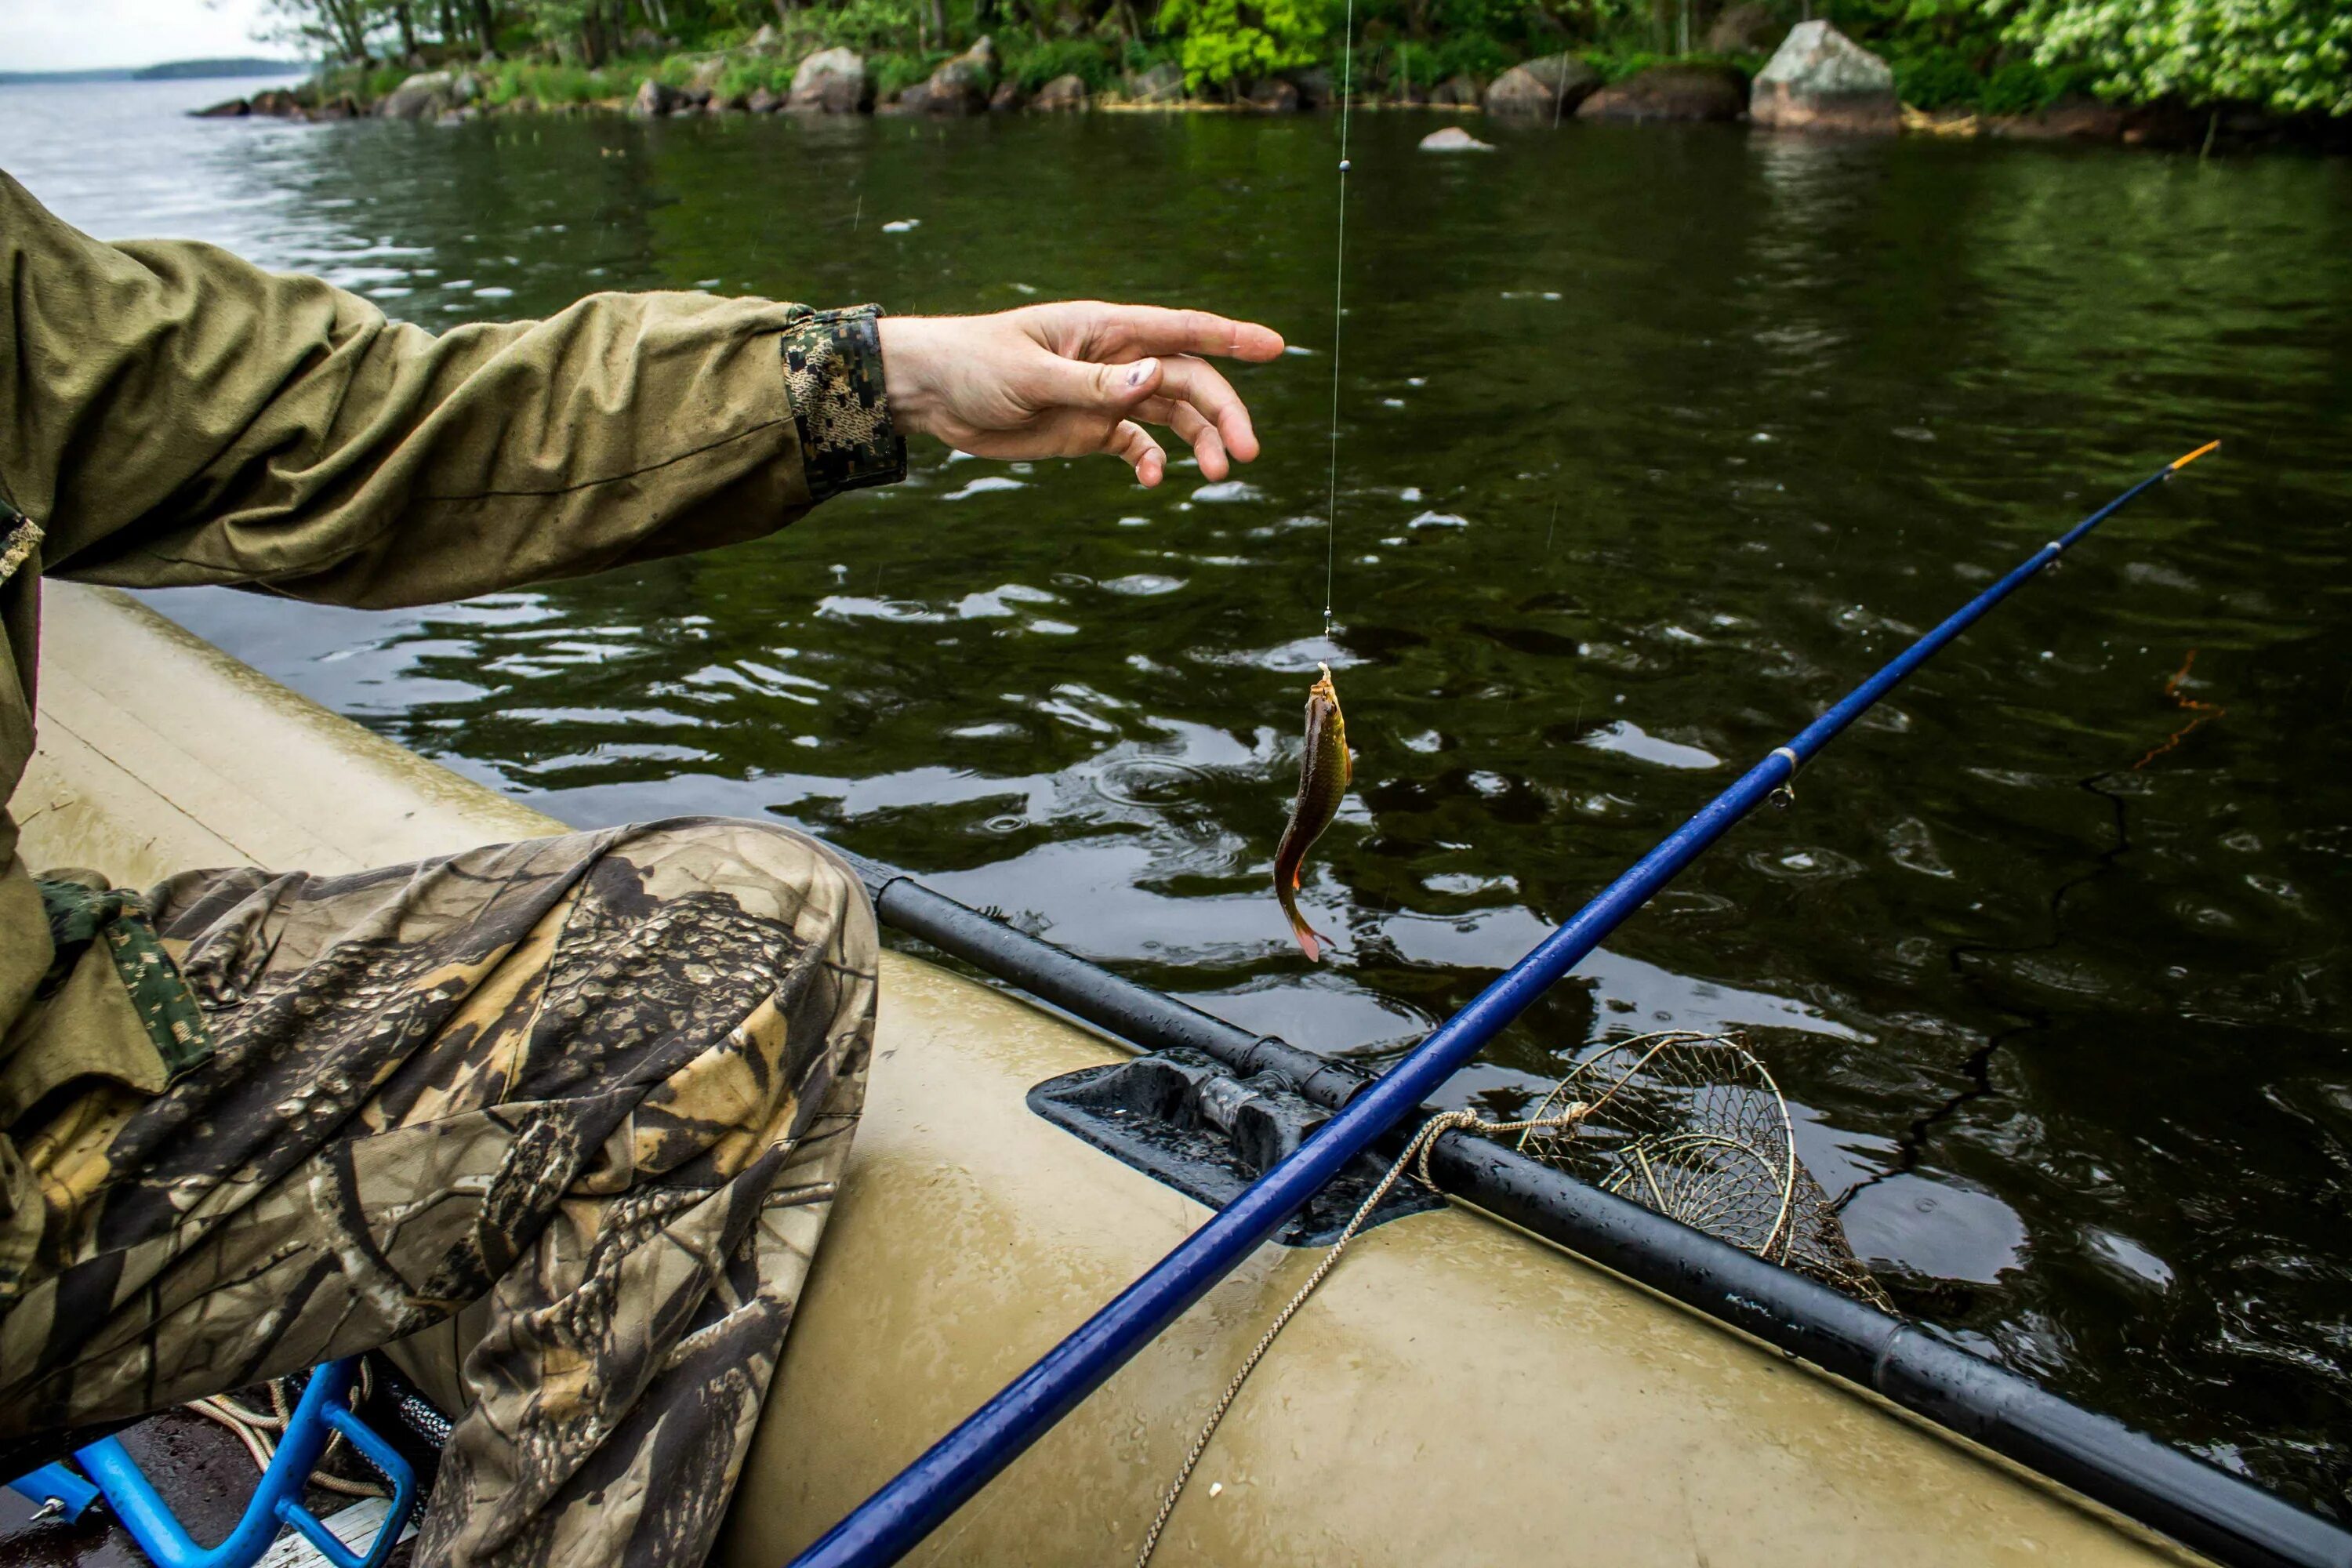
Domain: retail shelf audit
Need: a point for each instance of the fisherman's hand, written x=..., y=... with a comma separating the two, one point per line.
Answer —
x=1065, y=380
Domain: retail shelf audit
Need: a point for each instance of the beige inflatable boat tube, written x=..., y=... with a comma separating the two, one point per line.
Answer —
x=1457, y=1393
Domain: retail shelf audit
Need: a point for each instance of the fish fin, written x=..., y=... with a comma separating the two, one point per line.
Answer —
x=1306, y=941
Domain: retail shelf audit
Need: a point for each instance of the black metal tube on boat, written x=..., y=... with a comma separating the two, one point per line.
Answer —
x=2223, y=1516
x=2227, y=1518
x=1136, y=1014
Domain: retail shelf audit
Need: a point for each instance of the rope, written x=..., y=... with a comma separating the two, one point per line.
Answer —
x=1416, y=1155
x=1338, y=284
x=253, y=1429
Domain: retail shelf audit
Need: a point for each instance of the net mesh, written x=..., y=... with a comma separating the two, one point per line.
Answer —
x=1693, y=1127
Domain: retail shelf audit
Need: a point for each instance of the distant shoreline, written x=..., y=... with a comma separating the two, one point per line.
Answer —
x=167, y=70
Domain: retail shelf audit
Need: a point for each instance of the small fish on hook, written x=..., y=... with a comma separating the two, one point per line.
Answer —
x=1323, y=776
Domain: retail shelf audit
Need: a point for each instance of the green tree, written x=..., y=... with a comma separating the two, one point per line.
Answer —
x=1227, y=42
x=335, y=29
x=2293, y=56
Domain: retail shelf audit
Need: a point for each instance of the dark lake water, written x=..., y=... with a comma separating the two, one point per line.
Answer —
x=1654, y=441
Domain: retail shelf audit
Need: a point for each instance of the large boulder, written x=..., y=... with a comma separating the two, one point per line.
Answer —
x=1061, y=93
x=1747, y=29
x=1162, y=84
x=1008, y=97
x=762, y=101
x=655, y=100
x=832, y=81
x=427, y=95
x=1272, y=96
x=278, y=103
x=233, y=109
x=1820, y=79
x=706, y=78
x=1315, y=88
x=1671, y=92
x=1455, y=93
x=965, y=83
x=1552, y=88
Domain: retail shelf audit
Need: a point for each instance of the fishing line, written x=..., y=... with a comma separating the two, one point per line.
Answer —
x=1338, y=288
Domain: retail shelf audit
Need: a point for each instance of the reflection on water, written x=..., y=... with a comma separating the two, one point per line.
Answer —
x=1654, y=442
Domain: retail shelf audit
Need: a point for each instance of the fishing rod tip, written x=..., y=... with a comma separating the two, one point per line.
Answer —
x=2183, y=462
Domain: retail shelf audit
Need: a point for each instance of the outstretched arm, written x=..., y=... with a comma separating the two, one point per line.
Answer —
x=170, y=413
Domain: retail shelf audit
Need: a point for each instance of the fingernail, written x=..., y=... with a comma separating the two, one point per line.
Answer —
x=1141, y=372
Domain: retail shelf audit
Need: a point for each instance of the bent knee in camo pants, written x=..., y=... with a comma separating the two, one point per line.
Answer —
x=596, y=1088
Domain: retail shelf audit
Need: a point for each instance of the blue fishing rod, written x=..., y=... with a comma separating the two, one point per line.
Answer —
x=895, y=1519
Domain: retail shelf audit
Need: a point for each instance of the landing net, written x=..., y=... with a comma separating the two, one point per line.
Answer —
x=1693, y=1127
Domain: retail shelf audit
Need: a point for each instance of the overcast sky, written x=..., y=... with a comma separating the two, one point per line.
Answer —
x=83, y=35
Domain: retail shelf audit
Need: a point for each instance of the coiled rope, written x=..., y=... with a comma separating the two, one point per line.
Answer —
x=260, y=1433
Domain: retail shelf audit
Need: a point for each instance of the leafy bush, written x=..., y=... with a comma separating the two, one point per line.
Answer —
x=746, y=73
x=897, y=70
x=1474, y=54
x=549, y=83
x=1034, y=62
x=1400, y=60
x=1141, y=54
x=1226, y=43
x=868, y=26
x=366, y=83
x=2291, y=56
x=2021, y=86
x=1937, y=79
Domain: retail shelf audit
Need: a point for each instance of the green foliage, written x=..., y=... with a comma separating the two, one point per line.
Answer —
x=895, y=71
x=2291, y=56
x=1616, y=65
x=2001, y=57
x=2021, y=86
x=1141, y=54
x=868, y=26
x=1226, y=42
x=552, y=83
x=1034, y=62
x=1917, y=28
x=1938, y=77
x=366, y=83
x=746, y=73
x=1471, y=53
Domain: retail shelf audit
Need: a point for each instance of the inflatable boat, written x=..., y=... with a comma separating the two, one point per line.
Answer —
x=1501, y=1373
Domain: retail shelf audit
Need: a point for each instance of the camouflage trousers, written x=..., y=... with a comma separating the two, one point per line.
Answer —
x=587, y=1096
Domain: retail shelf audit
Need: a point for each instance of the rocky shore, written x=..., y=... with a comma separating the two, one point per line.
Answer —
x=1816, y=81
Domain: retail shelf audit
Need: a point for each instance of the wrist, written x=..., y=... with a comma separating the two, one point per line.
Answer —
x=909, y=358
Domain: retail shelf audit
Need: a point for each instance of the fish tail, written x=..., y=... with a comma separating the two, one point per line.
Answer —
x=1308, y=942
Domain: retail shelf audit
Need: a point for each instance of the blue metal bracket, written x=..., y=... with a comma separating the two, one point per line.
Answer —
x=55, y=1491
x=318, y=1417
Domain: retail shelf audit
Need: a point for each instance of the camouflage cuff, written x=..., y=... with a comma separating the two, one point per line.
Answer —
x=832, y=370
x=80, y=915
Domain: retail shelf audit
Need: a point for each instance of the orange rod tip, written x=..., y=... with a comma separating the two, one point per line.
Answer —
x=2192, y=456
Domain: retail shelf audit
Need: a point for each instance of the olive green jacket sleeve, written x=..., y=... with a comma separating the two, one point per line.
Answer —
x=171, y=415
